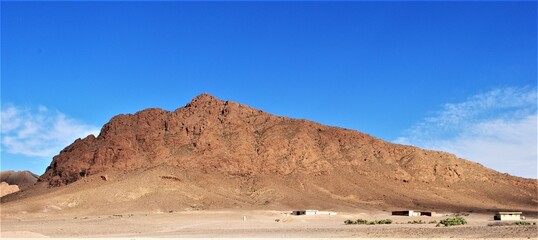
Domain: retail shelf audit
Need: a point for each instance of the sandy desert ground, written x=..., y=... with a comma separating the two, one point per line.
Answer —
x=258, y=224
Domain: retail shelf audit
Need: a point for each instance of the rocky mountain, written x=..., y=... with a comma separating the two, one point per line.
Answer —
x=215, y=154
x=22, y=179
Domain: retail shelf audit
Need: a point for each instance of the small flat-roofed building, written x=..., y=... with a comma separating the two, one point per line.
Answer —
x=406, y=213
x=312, y=212
x=305, y=212
x=508, y=216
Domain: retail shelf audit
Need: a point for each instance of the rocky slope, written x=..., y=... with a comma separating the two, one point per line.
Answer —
x=242, y=156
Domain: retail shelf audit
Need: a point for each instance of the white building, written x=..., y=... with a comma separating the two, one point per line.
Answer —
x=305, y=212
x=508, y=216
x=312, y=212
x=406, y=213
x=413, y=213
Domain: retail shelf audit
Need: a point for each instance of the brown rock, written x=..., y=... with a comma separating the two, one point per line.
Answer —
x=213, y=136
x=6, y=189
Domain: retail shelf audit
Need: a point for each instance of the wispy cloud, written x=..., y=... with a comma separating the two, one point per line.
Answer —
x=39, y=132
x=497, y=128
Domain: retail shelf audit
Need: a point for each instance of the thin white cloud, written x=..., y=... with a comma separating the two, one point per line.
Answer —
x=497, y=129
x=39, y=132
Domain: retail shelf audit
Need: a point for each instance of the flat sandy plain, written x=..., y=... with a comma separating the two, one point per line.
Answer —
x=258, y=224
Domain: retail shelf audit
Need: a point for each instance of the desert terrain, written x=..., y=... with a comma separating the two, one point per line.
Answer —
x=230, y=223
x=218, y=168
x=166, y=202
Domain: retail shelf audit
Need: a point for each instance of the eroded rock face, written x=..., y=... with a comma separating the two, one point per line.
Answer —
x=6, y=189
x=213, y=135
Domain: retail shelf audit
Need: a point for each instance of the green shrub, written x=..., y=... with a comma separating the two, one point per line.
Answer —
x=361, y=221
x=366, y=222
x=522, y=223
x=384, y=221
x=453, y=221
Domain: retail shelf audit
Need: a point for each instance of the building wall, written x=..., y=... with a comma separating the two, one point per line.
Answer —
x=406, y=213
x=427, y=214
x=326, y=213
x=402, y=213
x=510, y=217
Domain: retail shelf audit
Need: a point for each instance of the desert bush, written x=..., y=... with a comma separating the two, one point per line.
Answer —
x=384, y=221
x=416, y=222
x=522, y=223
x=361, y=221
x=171, y=178
x=453, y=221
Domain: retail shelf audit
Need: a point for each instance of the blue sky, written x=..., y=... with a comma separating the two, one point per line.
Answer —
x=455, y=76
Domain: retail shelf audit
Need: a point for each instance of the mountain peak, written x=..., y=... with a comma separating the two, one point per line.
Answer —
x=203, y=99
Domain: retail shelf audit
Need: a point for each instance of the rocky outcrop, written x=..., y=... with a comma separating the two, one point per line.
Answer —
x=209, y=134
x=213, y=154
x=22, y=179
x=6, y=189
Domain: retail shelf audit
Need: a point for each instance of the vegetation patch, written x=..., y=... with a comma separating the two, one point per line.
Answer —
x=453, y=221
x=171, y=178
x=366, y=222
x=522, y=223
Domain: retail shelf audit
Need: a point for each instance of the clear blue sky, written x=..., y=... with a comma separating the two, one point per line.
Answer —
x=390, y=69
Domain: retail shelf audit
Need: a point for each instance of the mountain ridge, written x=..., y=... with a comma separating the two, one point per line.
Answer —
x=212, y=137
x=148, y=117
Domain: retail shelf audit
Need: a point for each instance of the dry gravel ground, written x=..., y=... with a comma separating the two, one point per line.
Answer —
x=258, y=224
